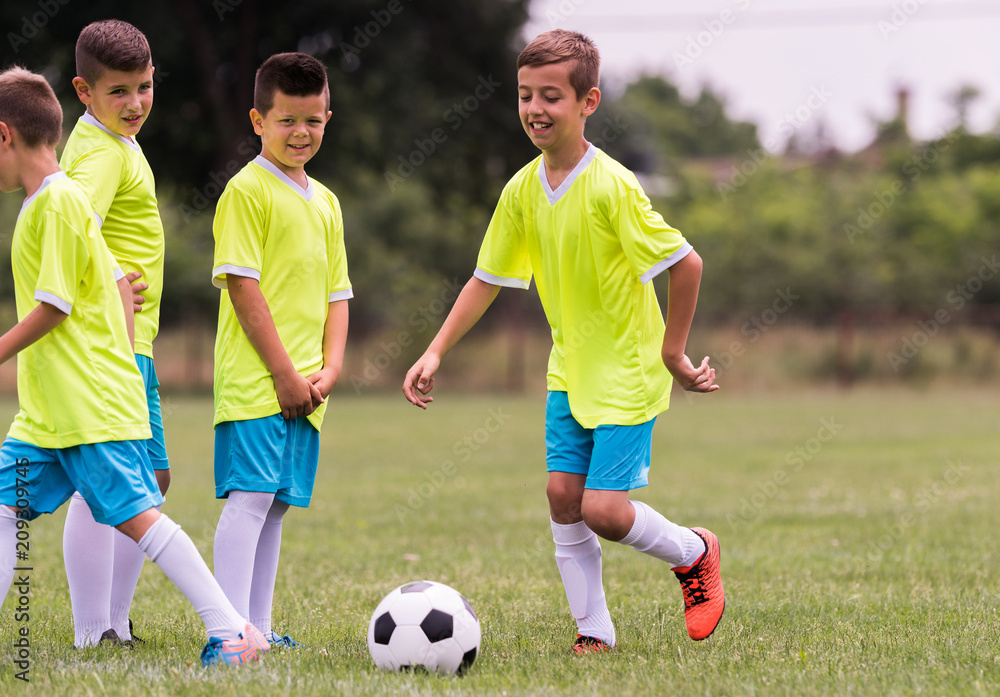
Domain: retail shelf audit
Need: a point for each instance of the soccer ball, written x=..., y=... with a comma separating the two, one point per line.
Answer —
x=424, y=624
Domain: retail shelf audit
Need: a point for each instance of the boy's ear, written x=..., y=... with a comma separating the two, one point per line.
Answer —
x=257, y=119
x=82, y=90
x=6, y=138
x=591, y=100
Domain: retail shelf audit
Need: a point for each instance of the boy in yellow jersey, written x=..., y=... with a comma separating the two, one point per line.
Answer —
x=580, y=223
x=281, y=265
x=115, y=82
x=83, y=418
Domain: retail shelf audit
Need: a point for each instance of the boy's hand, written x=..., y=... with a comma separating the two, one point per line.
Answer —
x=324, y=380
x=297, y=396
x=420, y=380
x=700, y=379
x=137, y=298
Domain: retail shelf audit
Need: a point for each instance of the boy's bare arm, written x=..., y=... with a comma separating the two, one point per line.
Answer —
x=296, y=395
x=334, y=344
x=128, y=305
x=39, y=322
x=685, y=278
x=470, y=306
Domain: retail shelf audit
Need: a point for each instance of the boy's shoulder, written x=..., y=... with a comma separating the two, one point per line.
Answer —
x=614, y=172
x=89, y=139
x=62, y=195
x=59, y=199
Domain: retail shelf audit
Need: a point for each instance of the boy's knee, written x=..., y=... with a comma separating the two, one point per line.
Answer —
x=610, y=518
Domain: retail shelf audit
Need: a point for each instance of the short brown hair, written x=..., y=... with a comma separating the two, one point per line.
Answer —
x=110, y=45
x=294, y=74
x=30, y=107
x=560, y=45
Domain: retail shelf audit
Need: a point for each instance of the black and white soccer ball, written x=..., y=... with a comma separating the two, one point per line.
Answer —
x=424, y=624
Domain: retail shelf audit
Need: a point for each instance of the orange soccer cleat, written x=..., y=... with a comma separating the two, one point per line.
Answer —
x=701, y=584
x=588, y=644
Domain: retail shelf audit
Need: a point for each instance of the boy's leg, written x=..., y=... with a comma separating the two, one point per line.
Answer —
x=265, y=568
x=236, y=539
x=170, y=548
x=8, y=540
x=619, y=464
x=125, y=576
x=299, y=459
x=128, y=557
x=578, y=551
x=89, y=556
x=578, y=556
x=32, y=482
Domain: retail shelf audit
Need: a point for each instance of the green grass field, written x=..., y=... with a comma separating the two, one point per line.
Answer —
x=858, y=530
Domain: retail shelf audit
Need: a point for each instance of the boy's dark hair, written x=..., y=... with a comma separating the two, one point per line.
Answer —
x=110, y=45
x=294, y=74
x=29, y=106
x=560, y=45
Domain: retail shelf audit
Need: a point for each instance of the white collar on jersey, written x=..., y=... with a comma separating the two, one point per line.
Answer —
x=92, y=120
x=45, y=182
x=554, y=196
x=306, y=193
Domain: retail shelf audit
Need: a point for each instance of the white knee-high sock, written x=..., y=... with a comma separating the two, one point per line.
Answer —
x=172, y=550
x=656, y=536
x=8, y=556
x=265, y=568
x=89, y=556
x=578, y=555
x=236, y=540
x=124, y=578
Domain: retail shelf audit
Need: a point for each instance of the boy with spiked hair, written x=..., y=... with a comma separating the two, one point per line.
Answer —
x=72, y=338
x=115, y=82
x=282, y=268
x=580, y=223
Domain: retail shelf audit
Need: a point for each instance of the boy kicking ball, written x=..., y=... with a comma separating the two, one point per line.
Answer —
x=580, y=223
x=83, y=417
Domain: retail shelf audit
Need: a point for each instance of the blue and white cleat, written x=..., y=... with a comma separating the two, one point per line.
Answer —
x=246, y=649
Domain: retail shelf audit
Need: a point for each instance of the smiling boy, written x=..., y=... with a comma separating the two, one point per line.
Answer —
x=115, y=82
x=580, y=224
x=281, y=265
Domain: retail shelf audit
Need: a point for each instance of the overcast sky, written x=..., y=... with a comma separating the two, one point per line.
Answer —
x=790, y=65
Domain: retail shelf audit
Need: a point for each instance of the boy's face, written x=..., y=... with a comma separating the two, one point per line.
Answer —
x=120, y=100
x=292, y=130
x=551, y=114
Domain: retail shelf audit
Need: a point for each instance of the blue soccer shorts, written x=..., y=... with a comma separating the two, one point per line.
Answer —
x=114, y=478
x=271, y=454
x=613, y=458
x=156, y=447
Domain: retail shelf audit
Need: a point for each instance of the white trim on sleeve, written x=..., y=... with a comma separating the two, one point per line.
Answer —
x=504, y=281
x=235, y=270
x=43, y=296
x=338, y=295
x=119, y=274
x=660, y=266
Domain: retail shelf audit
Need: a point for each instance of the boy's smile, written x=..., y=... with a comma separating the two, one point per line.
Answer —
x=292, y=130
x=120, y=100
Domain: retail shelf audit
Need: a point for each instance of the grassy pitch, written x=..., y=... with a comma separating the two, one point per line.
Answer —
x=859, y=552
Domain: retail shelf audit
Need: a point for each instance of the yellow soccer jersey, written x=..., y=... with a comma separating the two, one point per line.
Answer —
x=79, y=383
x=592, y=245
x=291, y=240
x=114, y=173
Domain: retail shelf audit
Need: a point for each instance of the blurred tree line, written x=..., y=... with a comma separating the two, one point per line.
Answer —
x=425, y=133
